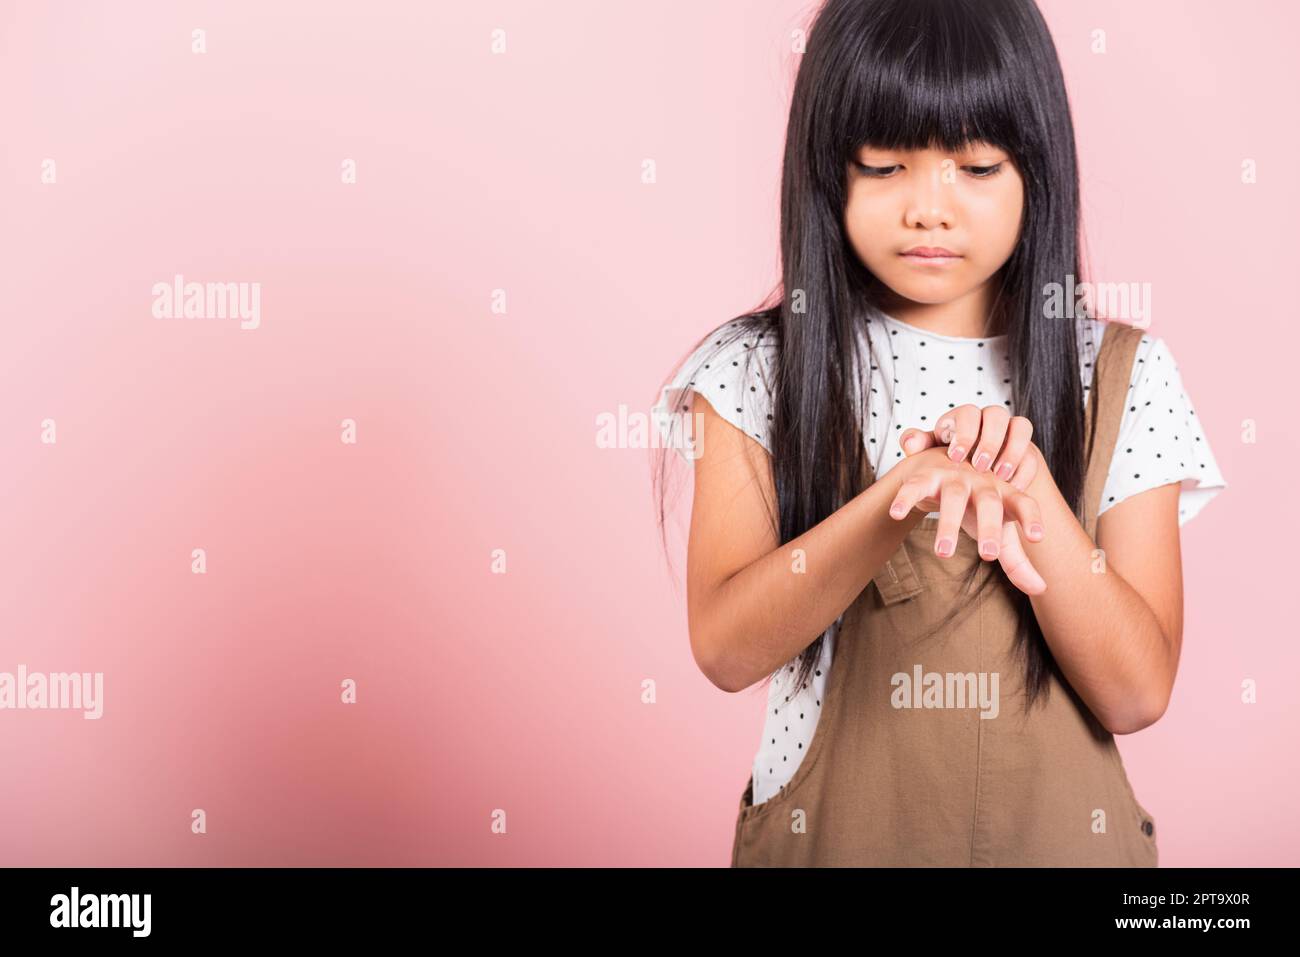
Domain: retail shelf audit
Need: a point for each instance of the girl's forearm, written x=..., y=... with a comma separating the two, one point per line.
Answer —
x=770, y=611
x=1105, y=637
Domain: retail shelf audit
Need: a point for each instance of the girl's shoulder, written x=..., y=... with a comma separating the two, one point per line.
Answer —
x=1161, y=439
x=733, y=370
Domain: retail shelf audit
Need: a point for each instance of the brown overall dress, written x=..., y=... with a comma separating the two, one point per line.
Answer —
x=891, y=786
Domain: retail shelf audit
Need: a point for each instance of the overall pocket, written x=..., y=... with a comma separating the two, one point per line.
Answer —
x=1142, y=818
x=762, y=828
x=1147, y=822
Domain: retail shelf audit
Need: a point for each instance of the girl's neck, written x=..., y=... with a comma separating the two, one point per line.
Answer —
x=973, y=316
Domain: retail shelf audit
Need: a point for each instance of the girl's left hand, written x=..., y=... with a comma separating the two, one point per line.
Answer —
x=997, y=441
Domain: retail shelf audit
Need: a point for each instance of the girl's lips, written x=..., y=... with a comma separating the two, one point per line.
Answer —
x=936, y=251
x=930, y=259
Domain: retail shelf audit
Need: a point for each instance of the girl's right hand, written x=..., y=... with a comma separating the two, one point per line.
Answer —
x=978, y=503
x=991, y=439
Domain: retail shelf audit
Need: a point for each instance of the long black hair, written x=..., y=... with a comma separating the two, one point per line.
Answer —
x=915, y=74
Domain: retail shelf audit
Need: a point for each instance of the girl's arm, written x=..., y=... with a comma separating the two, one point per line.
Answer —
x=1113, y=611
x=753, y=606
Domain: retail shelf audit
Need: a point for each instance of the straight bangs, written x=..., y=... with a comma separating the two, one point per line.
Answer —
x=926, y=74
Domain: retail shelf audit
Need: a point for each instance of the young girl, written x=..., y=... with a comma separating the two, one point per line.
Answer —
x=940, y=513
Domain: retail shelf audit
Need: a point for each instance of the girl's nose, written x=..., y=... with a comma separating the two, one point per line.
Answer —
x=930, y=203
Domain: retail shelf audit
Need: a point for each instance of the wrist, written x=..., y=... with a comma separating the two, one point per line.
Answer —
x=1055, y=510
x=933, y=457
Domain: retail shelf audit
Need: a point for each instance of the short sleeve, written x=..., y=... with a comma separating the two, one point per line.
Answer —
x=734, y=375
x=1160, y=438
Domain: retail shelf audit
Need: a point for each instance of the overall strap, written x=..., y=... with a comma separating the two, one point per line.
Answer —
x=897, y=579
x=1112, y=376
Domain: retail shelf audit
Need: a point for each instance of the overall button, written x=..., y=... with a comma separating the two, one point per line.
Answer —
x=1148, y=828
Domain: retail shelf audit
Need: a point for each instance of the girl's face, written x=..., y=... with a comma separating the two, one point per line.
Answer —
x=905, y=207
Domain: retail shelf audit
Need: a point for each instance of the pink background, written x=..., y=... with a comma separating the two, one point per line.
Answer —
x=476, y=430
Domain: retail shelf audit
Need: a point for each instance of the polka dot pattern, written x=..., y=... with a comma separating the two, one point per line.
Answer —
x=1161, y=440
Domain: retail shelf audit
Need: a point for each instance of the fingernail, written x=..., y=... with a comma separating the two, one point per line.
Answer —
x=989, y=548
x=898, y=511
x=909, y=442
x=945, y=547
x=1036, y=530
x=1004, y=471
x=956, y=452
x=981, y=460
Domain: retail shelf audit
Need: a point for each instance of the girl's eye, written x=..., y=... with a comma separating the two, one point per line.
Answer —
x=879, y=172
x=884, y=172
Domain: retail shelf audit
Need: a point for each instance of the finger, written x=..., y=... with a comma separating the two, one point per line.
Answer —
x=963, y=419
x=989, y=521
x=1027, y=469
x=1019, y=431
x=1024, y=510
x=917, y=440
x=952, y=506
x=993, y=431
x=959, y=429
x=1020, y=570
x=914, y=488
